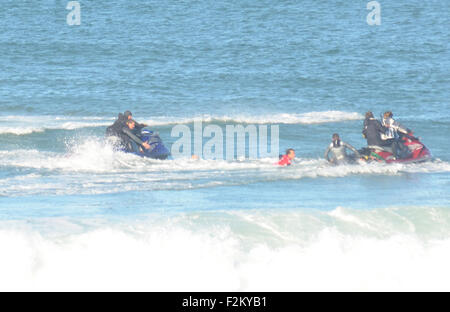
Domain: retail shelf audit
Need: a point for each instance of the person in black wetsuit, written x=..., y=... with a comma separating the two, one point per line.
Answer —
x=130, y=141
x=116, y=128
x=129, y=137
x=372, y=131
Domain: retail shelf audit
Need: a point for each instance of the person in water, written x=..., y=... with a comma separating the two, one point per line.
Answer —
x=130, y=141
x=338, y=149
x=373, y=129
x=286, y=160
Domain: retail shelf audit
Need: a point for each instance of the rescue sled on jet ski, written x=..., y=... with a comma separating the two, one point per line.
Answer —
x=412, y=151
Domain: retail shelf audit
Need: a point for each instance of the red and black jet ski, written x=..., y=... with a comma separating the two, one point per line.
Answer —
x=411, y=151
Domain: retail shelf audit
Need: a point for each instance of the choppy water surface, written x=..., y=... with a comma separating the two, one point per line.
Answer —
x=73, y=209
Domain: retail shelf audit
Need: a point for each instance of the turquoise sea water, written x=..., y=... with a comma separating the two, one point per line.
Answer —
x=75, y=214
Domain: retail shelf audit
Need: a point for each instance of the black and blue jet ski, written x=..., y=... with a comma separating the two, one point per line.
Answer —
x=157, y=149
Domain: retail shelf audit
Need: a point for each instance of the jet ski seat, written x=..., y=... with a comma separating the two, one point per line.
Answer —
x=381, y=148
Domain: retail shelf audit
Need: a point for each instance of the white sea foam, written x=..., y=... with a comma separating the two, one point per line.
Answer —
x=22, y=125
x=232, y=251
x=94, y=167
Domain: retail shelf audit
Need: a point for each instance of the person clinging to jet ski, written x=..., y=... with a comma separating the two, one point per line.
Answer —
x=130, y=140
x=338, y=149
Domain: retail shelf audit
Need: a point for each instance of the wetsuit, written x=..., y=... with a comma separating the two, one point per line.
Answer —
x=372, y=132
x=116, y=128
x=339, y=154
x=139, y=126
x=284, y=161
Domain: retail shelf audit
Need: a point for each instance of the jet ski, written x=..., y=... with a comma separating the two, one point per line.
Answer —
x=413, y=151
x=157, y=149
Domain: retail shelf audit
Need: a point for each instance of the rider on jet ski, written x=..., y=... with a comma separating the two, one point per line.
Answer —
x=372, y=131
x=128, y=116
x=137, y=138
x=392, y=135
x=128, y=131
x=393, y=127
x=338, y=147
x=115, y=129
x=130, y=141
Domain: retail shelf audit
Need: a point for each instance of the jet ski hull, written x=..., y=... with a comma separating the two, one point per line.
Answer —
x=418, y=152
x=157, y=149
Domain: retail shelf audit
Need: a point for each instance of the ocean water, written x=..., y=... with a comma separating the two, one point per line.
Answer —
x=77, y=215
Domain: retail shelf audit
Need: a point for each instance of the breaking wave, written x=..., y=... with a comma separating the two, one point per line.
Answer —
x=23, y=125
x=341, y=250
